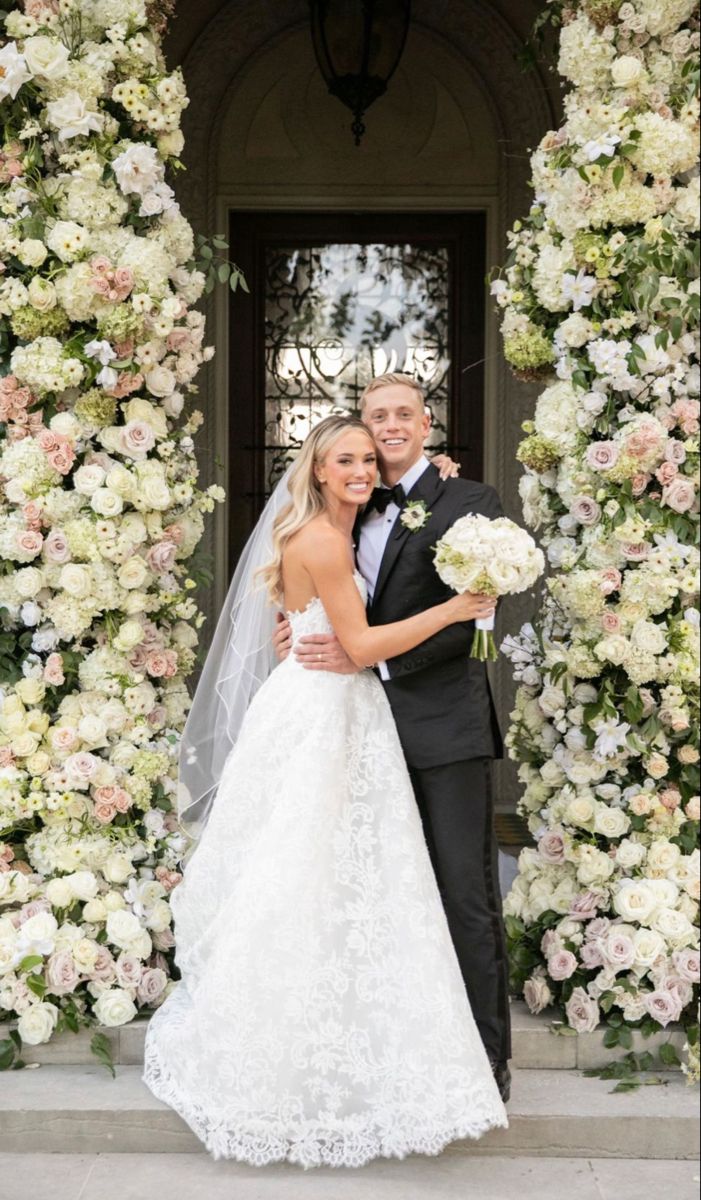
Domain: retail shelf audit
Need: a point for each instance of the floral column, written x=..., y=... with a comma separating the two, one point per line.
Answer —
x=99, y=509
x=600, y=300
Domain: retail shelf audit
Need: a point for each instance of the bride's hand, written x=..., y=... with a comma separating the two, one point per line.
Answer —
x=447, y=468
x=473, y=606
x=282, y=637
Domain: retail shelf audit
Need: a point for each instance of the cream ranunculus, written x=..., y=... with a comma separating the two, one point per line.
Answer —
x=133, y=573
x=41, y=294
x=161, y=381
x=114, y=1007
x=58, y=892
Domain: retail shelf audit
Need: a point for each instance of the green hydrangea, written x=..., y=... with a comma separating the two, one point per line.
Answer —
x=28, y=323
x=119, y=323
x=95, y=408
x=529, y=350
x=537, y=453
x=149, y=764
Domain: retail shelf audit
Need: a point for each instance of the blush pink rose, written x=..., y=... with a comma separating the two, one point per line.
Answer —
x=664, y=1006
x=610, y=621
x=636, y=551
x=675, y=451
x=666, y=473
x=104, y=968
x=179, y=339
x=562, y=965
x=161, y=557
x=582, y=1011
x=168, y=878
x=679, y=495
x=591, y=956
x=152, y=985
x=686, y=963
x=29, y=542
x=128, y=970
x=31, y=511
x=601, y=456
x=62, y=975
x=138, y=437
x=56, y=547
x=585, y=906
x=104, y=812
x=551, y=847
x=53, y=670
x=670, y=798
x=62, y=458
x=163, y=939
x=63, y=737
x=687, y=415
x=611, y=580
x=639, y=483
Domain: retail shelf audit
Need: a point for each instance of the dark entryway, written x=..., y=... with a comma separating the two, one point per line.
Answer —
x=334, y=299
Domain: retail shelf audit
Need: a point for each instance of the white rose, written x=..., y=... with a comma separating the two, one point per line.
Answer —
x=159, y=916
x=46, y=57
x=76, y=580
x=94, y=911
x=41, y=294
x=675, y=927
x=611, y=822
x=83, y=884
x=105, y=502
x=85, y=952
x=649, y=637
x=122, y=928
x=114, y=1007
x=580, y=811
x=118, y=868
x=662, y=856
x=635, y=901
x=88, y=478
x=648, y=945
x=133, y=573
x=629, y=854
x=137, y=169
x=71, y=117
x=38, y=933
x=92, y=730
x=27, y=582
x=58, y=892
x=626, y=71
x=38, y=1023
x=32, y=252
x=129, y=634
x=160, y=381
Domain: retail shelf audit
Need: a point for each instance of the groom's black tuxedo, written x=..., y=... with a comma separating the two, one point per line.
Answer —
x=447, y=725
x=440, y=697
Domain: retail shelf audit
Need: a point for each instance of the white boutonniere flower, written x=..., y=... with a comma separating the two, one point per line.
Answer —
x=414, y=515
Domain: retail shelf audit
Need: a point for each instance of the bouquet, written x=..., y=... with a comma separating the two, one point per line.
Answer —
x=494, y=558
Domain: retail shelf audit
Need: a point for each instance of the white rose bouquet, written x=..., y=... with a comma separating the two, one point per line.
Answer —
x=491, y=557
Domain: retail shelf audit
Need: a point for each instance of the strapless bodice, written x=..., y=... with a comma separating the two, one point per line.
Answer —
x=313, y=618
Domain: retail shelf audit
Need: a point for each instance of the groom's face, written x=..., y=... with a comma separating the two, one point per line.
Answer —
x=397, y=418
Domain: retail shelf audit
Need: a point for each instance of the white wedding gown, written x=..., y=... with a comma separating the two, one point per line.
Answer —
x=321, y=1016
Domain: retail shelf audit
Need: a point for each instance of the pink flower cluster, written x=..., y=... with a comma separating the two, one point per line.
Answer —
x=108, y=801
x=15, y=401
x=112, y=283
x=58, y=450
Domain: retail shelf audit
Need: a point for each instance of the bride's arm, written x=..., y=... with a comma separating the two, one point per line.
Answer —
x=326, y=560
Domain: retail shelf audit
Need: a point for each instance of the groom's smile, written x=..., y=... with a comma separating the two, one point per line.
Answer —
x=399, y=422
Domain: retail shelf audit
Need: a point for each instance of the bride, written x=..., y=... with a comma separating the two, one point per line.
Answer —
x=321, y=1016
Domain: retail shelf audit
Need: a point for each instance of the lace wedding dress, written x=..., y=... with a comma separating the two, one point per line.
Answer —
x=321, y=1016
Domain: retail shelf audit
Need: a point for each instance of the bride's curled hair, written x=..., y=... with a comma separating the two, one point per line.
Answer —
x=306, y=499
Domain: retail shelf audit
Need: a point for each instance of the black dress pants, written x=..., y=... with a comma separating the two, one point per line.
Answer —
x=455, y=802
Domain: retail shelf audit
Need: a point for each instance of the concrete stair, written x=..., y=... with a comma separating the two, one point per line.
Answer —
x=535, y=1045
x=68, y=1103
x=80, y=1109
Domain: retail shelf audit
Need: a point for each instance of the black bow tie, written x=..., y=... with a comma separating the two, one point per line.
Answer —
x=382, y=497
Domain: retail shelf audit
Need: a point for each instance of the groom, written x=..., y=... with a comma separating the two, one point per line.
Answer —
x=440, y=697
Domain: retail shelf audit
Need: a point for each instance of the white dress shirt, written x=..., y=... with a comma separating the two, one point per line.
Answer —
x=375, y=533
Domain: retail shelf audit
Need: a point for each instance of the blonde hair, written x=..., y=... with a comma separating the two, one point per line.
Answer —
x=392, y=377
x=306, y=499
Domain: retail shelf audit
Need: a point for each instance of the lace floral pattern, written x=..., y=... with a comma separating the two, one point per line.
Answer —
x=321, y=1016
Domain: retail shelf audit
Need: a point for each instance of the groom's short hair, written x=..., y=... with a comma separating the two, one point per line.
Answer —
x=391, y=377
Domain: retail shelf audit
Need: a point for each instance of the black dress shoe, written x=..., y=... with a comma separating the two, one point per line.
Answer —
x=502, y=1075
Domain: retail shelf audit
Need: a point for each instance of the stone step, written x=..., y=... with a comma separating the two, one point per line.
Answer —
x=82, y=1110
x=535, y=1046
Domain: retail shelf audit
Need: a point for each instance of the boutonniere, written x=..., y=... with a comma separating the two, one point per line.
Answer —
x=414, y=515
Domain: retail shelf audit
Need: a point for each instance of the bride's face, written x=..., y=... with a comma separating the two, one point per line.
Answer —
x=349, y=470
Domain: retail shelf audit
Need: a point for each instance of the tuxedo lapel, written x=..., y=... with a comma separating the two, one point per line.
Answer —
x=427, y=488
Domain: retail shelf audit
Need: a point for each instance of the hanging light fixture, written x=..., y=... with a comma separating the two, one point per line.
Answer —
x=358, y=45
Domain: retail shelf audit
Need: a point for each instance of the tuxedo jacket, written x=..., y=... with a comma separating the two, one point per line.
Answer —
x=440, y=697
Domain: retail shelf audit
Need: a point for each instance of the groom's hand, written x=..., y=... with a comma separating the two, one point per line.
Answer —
x=324, y=652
